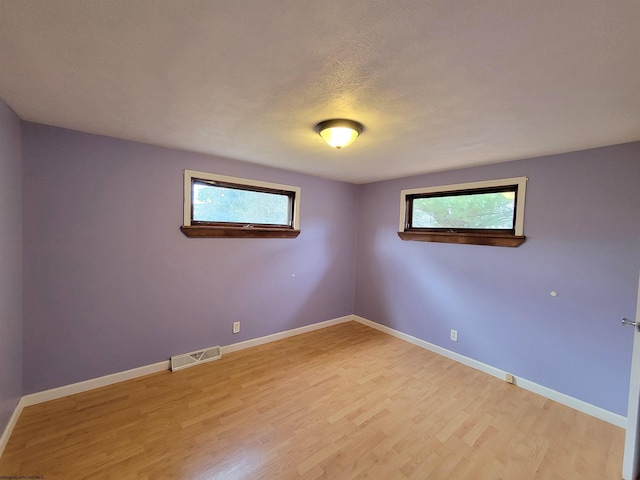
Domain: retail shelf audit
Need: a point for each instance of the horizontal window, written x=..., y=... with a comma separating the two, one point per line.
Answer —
x=219, y=203
x=221, y=206
x=467, y=210
x=487, y=213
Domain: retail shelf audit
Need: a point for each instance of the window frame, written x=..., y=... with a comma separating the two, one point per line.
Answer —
x=495, y=237
x=195, y=228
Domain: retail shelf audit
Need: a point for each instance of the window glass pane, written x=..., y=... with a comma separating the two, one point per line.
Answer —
x=214, y=203
x=479, y=211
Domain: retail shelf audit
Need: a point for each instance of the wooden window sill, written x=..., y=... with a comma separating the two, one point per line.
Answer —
x=495, y=240
x=237, y=232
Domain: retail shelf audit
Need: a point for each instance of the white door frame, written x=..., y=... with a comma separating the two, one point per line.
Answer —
x=630, y=467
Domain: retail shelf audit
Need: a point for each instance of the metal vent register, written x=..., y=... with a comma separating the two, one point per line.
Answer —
x=178, y=362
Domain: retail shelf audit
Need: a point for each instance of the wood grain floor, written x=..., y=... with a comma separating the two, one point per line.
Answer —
x=345, y=402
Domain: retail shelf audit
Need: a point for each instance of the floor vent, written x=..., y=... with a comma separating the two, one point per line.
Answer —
x=178, y=362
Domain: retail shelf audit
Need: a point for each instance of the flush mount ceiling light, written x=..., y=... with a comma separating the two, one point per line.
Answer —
x=339, y=132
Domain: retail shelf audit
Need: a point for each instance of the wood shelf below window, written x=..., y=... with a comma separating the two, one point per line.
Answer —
x=238, y=232
x=495, y=240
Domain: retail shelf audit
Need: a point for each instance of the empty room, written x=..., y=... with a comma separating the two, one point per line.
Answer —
x=319, y=240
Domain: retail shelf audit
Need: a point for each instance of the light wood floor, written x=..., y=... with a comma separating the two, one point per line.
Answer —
x=345, y=402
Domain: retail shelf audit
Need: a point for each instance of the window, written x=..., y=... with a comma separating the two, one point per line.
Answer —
x=220, y=206
x=482, y=213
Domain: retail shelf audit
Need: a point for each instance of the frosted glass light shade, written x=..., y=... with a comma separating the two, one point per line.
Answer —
x=339, y=133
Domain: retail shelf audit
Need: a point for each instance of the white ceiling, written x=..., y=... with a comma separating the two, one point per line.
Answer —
x=437, y=84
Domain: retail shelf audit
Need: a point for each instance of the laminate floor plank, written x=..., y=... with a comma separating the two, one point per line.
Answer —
x=344, y=402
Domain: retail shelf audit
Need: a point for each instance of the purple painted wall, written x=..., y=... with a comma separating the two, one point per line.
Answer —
x=582, y=223
x=10, y=264
x=112, y=284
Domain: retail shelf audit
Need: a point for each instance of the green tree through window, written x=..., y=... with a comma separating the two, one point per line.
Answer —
x=489, y=212
x=474, y=211
x=220, y=206
x=213, y=203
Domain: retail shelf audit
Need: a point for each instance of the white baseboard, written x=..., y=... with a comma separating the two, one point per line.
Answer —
x=66, y=390
x=589, y=409
x=234, y=347
x=4, y=439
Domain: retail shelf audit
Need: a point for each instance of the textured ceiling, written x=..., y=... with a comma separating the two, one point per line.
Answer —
x=437, y=84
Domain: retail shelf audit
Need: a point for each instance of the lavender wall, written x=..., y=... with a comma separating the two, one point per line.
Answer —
x=10, y=264
x=583, y=241
x=112, y=284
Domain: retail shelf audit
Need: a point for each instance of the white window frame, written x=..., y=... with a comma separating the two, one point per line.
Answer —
x=189, y=175
x=521, y=182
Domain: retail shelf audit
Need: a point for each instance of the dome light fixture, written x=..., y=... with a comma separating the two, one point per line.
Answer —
x=339, y=132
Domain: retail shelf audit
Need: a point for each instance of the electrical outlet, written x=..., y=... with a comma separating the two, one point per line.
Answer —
x=236, y=327
x=454, y=335
x=510, y=378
